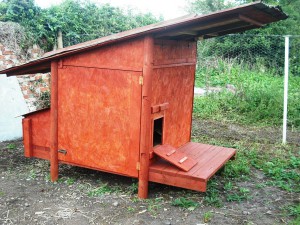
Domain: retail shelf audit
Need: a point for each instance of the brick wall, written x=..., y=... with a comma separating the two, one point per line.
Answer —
x=32, y=86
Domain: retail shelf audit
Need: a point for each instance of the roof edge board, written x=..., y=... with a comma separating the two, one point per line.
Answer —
x=267, y=14
x=250, y=20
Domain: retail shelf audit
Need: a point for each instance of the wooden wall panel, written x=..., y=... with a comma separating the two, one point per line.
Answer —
x=99, y=118
x=121, y=56
x=168, y=52
x=40, y=128
x=174, y=84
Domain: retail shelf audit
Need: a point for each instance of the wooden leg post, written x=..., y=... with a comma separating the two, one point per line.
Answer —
x=53, y=122
x=27, y=137
x=145, y=143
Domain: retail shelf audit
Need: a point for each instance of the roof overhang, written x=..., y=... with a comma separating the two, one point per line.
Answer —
x=233, y=20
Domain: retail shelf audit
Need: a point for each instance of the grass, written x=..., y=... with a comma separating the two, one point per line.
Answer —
x=11, y=146
x=241, y=195
x=207, y=217
x=258, y=98
x=154, y=204
x=294, y=212
x=279, y=164
x=185, y=203
x=102, y=189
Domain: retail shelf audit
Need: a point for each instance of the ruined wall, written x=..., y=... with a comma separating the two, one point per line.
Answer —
x=21, y=94
x=34, y=87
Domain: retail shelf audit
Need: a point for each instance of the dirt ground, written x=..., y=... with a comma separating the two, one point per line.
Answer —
x=28, y=197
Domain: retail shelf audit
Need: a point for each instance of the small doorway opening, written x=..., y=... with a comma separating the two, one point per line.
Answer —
x=157, y=131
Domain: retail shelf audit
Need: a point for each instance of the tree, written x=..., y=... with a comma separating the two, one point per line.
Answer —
x=78, y=20
x=270, y=49
x=208, y=6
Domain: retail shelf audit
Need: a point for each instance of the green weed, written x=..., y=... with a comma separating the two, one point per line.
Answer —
x=103, y=189
x=257, y=99
x=11, y=146
x=241, y=195
x=228, y=186
x=207, y=217
x=70, y=181
x=212, y=197
x=130, y=209
x=32, y=174
x=154, y=204
x=293, y=211
x=133, y=188
x=185, y=203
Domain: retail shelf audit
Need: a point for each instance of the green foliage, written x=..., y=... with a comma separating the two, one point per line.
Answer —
x=294, y=211
x=208, y=6
x=212, y=196
x=133, y=188
x=256, y=46
x=258, y=98
x=70, y=181
x=185, y=203
x=154, y=204
x=43, y=99
x=207, y=217
x=78, y=20
x=11, y=146
x=241, y=195
x=102, y=189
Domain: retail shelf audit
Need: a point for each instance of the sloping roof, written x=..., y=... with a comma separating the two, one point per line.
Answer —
x=233, y=20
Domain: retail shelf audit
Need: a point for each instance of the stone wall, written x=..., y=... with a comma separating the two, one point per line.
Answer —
x=32, y=86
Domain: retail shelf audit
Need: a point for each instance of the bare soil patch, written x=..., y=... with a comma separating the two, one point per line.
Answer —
x=83, y=196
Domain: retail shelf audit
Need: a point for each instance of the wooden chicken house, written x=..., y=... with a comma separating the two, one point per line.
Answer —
x=123, y=103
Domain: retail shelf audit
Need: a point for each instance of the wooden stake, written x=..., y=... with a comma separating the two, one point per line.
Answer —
x=53, y=122
x=59, y=40
x=145, y=143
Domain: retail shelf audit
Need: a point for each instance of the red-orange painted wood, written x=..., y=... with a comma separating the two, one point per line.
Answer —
x=174, y=83
x=99, y=118
x=40, y=127
x=127, y=56
x=145, y=138
x=175, y=157
x=41, y=152
x=189, y=183
x=54, y=122
x=27, y=137
x=210, y=159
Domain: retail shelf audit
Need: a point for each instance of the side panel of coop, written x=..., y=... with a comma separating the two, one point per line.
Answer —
x=173, y=89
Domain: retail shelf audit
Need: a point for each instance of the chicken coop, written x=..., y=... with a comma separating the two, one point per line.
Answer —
x=123, y=103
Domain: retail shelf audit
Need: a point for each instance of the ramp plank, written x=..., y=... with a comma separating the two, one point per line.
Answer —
x=175, y=157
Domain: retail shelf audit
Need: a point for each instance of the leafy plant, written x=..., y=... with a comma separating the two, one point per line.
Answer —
x=103, y=189
x=212, y=196
x=154, y=204
x=78, y=20
x=70, y=181
x=242, y=194
x=207, y=217
x=257, y=98
x=185, y=203
x=11, y=146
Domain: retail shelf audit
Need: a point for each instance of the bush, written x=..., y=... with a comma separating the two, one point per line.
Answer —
x=258, y=98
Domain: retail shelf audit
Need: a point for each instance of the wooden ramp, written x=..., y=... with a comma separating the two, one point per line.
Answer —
x=209, y=160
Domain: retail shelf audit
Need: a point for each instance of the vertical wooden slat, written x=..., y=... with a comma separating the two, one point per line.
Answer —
x=27, y=137
x=145, y=142
x=53, y=122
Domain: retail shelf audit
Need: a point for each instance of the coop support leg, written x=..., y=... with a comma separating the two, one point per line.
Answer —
x=53, y=122
x=145, y=142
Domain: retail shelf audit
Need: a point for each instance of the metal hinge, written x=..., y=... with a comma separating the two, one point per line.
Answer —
x=141, y=80
x=138, y=166
x=62, y=151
